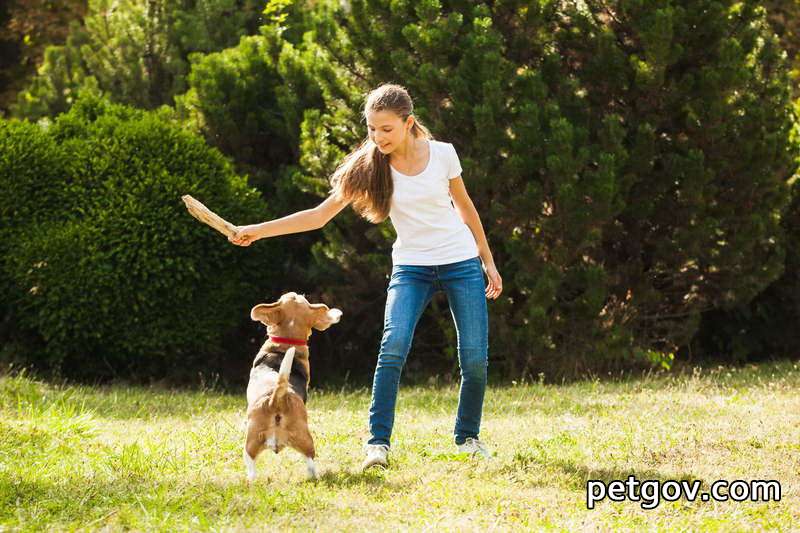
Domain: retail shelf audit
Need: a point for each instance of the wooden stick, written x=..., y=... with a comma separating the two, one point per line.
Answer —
x=207, y=216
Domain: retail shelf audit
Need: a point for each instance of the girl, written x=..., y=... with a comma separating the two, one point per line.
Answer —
x=401, y=172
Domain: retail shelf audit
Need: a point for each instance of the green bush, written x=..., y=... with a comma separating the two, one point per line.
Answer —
x=102, y=261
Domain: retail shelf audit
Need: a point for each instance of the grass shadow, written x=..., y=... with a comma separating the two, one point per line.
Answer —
x=373, y=477
x=578, y=475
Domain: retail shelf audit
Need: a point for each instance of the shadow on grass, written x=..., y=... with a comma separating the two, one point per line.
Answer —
x=373, y=477
x=577, y=474
x=580, y=474
x=78, y=501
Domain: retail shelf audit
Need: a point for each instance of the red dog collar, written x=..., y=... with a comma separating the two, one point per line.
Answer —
x=288, y=340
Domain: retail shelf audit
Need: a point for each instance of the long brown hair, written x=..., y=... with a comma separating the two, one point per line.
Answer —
x=364, y=177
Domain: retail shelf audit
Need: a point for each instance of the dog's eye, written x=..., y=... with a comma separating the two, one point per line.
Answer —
x=277, y=419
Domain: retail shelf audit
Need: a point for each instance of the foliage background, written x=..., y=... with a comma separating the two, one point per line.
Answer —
x=633, y=163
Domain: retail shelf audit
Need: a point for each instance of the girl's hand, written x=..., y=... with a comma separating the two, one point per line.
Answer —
x=246, y=235
x=495, y=285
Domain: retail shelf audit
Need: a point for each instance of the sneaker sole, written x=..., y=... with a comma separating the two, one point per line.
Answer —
x=478, y=455
x=371, y=464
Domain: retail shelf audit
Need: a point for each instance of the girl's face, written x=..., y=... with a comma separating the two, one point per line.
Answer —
x=387, y=130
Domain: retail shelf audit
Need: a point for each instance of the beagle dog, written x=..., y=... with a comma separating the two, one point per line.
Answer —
x=279, y=378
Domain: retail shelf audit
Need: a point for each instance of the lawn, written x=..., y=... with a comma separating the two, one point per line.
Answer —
x=154, y=459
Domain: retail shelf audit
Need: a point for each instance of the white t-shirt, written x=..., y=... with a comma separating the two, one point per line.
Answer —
x=429, y=229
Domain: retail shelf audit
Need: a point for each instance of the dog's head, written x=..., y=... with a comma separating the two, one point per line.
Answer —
x=293, y=316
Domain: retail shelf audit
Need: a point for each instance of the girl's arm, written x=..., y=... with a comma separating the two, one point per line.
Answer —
x=466, y=210
x=306, y=220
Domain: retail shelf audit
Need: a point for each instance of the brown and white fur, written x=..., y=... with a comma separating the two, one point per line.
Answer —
x=279, y=378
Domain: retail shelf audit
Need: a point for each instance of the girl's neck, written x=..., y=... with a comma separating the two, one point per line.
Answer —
x=408, y=150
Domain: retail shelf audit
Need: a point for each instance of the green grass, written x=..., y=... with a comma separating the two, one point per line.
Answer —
x=152, y=459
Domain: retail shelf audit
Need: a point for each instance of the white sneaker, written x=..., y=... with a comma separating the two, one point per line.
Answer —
x=474, y=447
x=376, y=455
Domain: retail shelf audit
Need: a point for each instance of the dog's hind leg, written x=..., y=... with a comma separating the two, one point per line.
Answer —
x=252, y=447
x=302, y=442
x=312, y=468
x=250, y=465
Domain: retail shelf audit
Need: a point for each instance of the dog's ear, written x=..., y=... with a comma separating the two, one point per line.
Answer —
x=324, y=317
x=269, y=314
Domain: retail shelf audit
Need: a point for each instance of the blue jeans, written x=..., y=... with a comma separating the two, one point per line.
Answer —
x=410, y=290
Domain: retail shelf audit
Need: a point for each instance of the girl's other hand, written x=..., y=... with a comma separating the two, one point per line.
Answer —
x=246, y=235
x=495, y=285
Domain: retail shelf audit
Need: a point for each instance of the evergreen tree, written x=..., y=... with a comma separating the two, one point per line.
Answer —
x=784, y=17
x=629, y=159
x=27, y=27
x=766, y=326
x=135, y=51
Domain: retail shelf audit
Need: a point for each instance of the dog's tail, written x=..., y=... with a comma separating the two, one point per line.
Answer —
x=283, y=376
